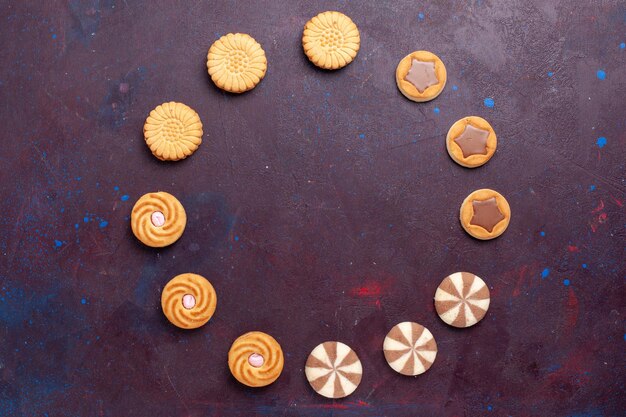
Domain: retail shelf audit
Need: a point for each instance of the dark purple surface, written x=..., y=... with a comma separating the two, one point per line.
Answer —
x=321, y=205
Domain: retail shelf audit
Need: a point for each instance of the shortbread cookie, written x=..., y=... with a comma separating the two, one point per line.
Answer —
x=331, y=40
x=485, y=214
x=410, y=348
x=462, y=299
x=421, y=76
x=188, y=301
x=255, y=359
x=236, y=62
x=173, y=131
x=158, y=219
x=471, y=141
x=333, y=370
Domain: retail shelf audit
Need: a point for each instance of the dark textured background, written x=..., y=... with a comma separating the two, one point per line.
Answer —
x=322, y=206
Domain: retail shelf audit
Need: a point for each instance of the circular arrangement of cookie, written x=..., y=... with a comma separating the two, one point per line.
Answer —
x=421, y=76
x=471, y=141
x=236, y=62
x=333, y=370
x=173, y=131
x=410, y=348
x=485, y=214
x=188, y=301
x=331, y=40
x=462, y=299
x=255, y=359
x=158, y=219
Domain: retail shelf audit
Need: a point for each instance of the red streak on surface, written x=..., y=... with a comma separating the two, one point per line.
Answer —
x=600, y=207
x=370, y=289
x=571, y=309
x=617, y=201
x=520, y=281
x=573, y=248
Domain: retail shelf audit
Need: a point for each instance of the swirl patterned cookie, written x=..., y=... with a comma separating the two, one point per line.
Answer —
x=333, y=370
x=462, y=299
x=410, y=348
x=236, y=62
x=158, y=219
x=188, y=301
x=331, y=40
x=173, y=131
x=255, y=359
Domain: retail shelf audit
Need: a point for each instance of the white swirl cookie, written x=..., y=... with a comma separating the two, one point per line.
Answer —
x=158, y=219
x=462, y=299
x=236, y=62
x=333, y=370
x=173, y=131
x=331, y=40
x=410, y=348
x=188, y=301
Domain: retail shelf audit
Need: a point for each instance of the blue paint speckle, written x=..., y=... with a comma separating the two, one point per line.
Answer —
x=566, y=282
x=542, y=233
x=622, y=45
x=624, y=336
x=104, y=223
x=436, y=110
x=545, y=273
x=550, y=74
x=601, y=142
x=585, y=266
x=76, y=226
x=421, y=16
x=125, y=197
x=54, y=36
x=489, y=407
x=58, y=243
x=236, y=238
x=83, y=301
x=454, y=88
x=489, y=102
x=86, y=219
x=601, y=75
x=116, y=188
x=592, y=187
x=361, y=135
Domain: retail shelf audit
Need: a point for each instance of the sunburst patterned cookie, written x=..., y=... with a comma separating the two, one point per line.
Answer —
x=173, y=131
x=236, y=62
x=462, y=299
x=333, y=370
x=331, y=40
x=255, y=359
x=158, y=219
x=410, y=348
x=188, y=301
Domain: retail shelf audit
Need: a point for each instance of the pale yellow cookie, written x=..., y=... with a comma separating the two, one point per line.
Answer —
x=421, y=76
x=173, y=131
x=158, y=219
x=485, y=214
x=236, y=62
x=331, y=40
x=255, y=359
x=188, y=301
x=471, y=142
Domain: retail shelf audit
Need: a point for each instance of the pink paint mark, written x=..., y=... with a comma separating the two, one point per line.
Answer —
x=572, y=248
x=602, y=218
x=617, y=201
x=378, y=304
x=571, y=310
x=371, y=289
x=600, y=207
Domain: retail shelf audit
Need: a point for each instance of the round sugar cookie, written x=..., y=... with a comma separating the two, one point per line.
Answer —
x=421, y=76
x=188, y=301
x=255, y=359
x=471, y=141
x=333, y=369
x=410, y=348
x=485, y=214
x=158, y=219
x=236, y=62
x=462, y=299
x=173, y=131
x=331, y=40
